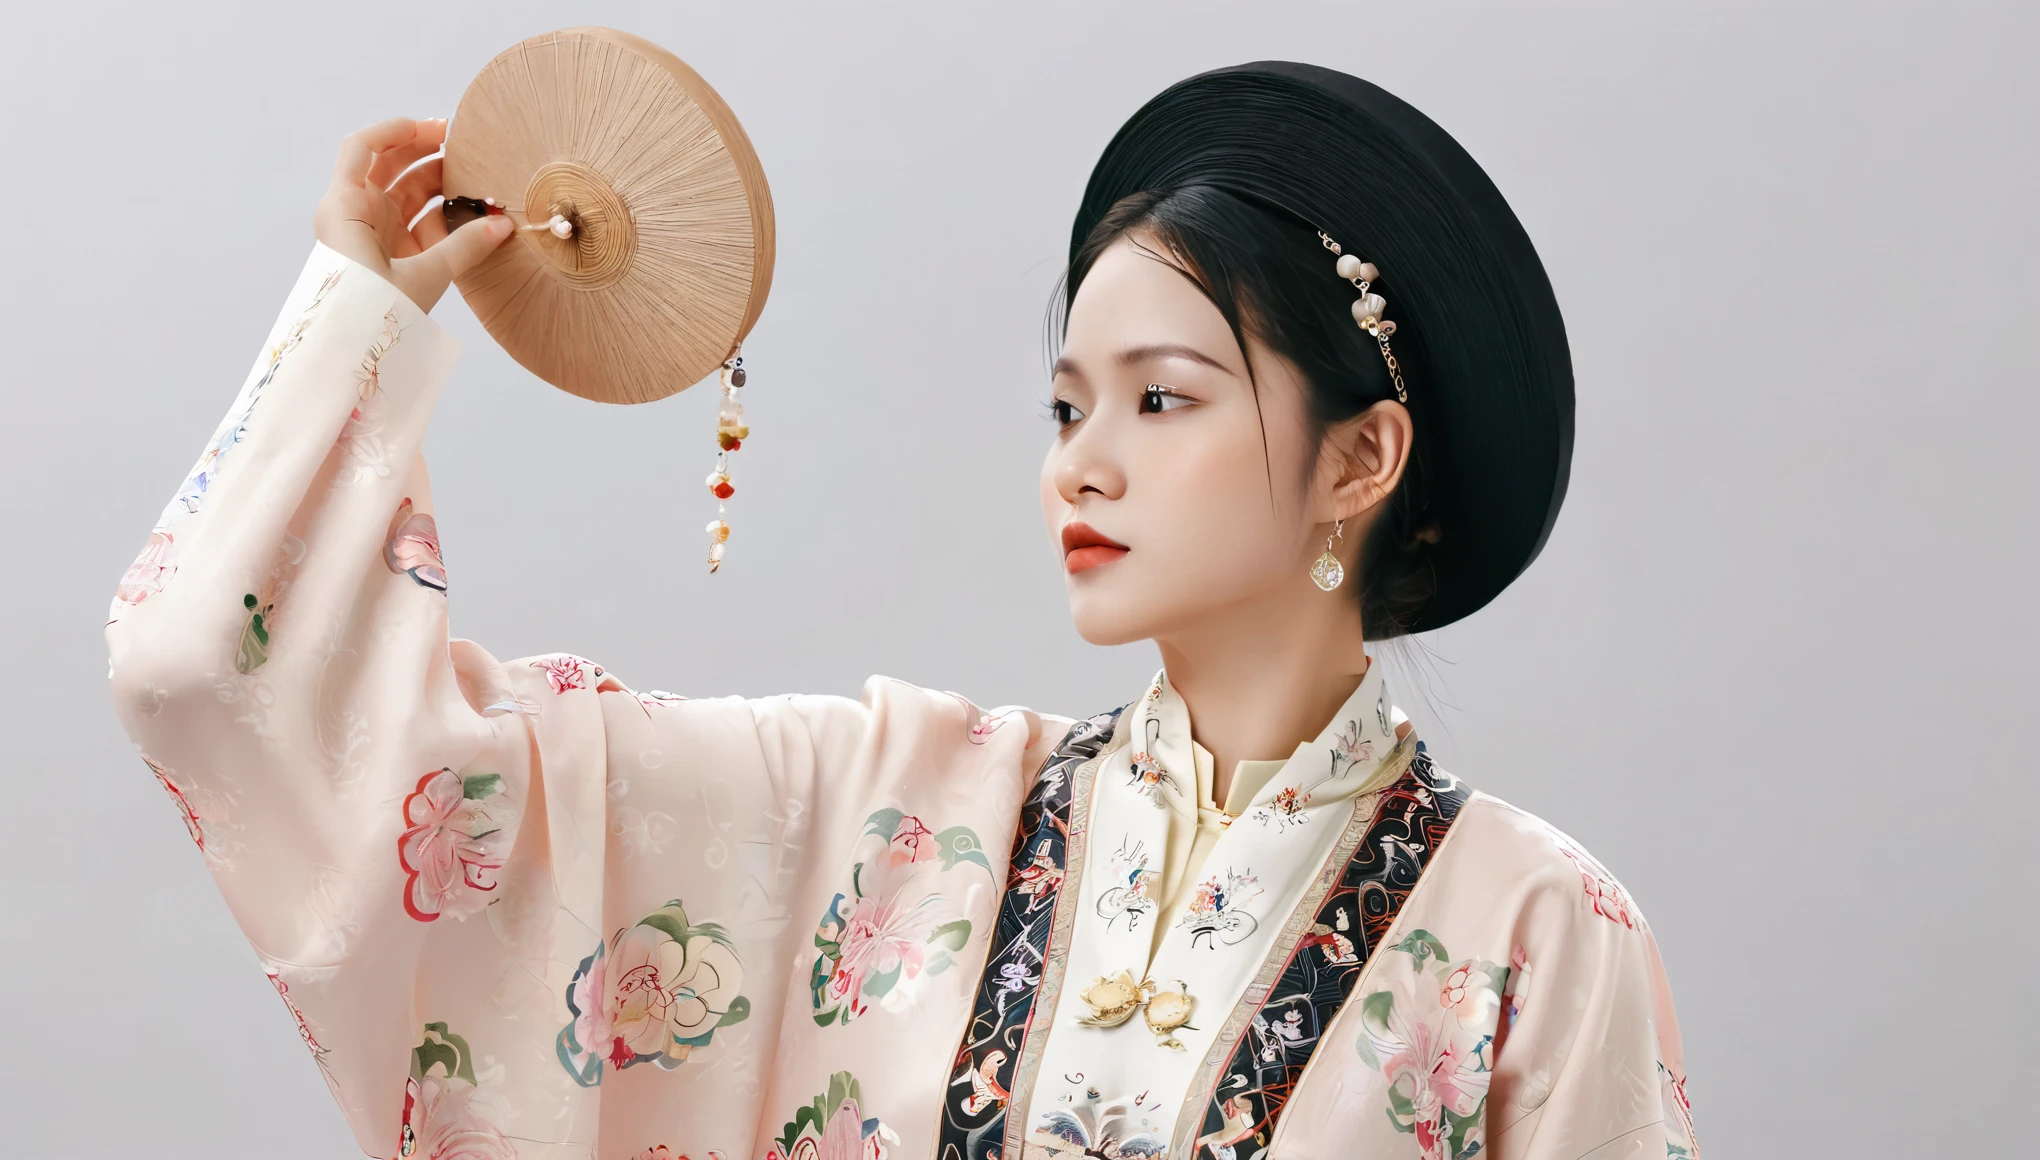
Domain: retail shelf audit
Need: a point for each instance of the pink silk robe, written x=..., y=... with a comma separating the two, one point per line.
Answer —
x=518, y=909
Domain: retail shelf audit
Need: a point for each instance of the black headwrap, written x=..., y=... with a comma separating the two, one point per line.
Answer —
x=1477, y=328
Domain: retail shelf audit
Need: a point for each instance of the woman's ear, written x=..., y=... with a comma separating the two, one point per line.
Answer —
x=1361, y=460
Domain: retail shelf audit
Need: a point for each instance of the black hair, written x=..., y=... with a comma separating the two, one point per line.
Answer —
x=1271, y=277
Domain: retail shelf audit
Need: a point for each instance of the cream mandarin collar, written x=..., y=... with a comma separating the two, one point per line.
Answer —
x=1363, y=731
x=1157, y=729
x=1247, y=779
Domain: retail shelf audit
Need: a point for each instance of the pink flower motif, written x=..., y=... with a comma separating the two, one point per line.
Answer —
x=844, y=1137
x=1603, y=893
x=1518, y=988
x=451, y=851
x=880, y=935
x=562, y=672
x=593, y=1027
x=1469, y=995
x=1610, y=902
x=442, y=1123
x=847, y=1135
x=413, y=548
x=1514, y=992
x=910, y=841
x=151, y=570
x=567, y=671
x=1453, y=993
x=1441, y=1077
x=1351, y=748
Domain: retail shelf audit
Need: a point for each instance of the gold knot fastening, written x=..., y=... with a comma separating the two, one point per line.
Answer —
x=1114, y=998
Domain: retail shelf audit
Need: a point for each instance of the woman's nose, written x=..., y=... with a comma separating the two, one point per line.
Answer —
x=1088, y=463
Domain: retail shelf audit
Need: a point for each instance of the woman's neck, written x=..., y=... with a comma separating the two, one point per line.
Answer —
x=1260, y=682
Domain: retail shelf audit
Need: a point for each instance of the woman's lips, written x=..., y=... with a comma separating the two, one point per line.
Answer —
x=1085, y=548
x=1087, y=558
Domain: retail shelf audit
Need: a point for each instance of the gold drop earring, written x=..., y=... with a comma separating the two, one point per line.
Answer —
x=1328, y=573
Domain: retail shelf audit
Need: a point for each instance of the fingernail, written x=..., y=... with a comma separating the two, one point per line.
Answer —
x=499, y=227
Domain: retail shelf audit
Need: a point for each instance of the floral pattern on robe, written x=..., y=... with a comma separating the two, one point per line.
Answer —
x=895, y=926
x=516, y=909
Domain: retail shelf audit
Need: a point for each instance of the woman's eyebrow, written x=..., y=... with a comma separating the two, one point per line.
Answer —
x=1134, y=355
x=1138, y=354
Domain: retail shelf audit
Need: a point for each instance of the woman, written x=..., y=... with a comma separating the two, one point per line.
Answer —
x=520, y=909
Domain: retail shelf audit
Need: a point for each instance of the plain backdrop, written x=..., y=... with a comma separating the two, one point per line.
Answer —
x=1774, y=666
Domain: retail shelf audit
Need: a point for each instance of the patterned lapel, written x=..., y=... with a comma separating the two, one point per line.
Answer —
x=974, y=1109
x=1269, y=1038
x=1278, y=1026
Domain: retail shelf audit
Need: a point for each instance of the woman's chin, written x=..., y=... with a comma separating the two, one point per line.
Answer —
x=1108, y=615
x=1104, y=631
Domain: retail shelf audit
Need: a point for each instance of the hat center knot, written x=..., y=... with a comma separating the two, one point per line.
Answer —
x=604, y=239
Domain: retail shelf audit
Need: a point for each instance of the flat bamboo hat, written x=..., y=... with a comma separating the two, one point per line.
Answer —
x=665, y=257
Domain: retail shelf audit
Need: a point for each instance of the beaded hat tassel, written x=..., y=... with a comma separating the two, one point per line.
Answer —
x=730, y=433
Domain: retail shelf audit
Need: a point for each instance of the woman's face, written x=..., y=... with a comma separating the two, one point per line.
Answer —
x=1170, y=495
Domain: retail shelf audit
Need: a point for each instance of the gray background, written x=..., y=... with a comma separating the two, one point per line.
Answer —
x=1774, y=667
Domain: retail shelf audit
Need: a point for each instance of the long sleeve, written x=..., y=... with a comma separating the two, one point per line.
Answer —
x=280, y=657
x=515, y=908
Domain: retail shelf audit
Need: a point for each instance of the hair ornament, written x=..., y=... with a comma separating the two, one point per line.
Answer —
x=1369, y=307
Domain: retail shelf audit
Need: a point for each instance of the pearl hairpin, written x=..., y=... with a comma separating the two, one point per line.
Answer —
x=1369, y=307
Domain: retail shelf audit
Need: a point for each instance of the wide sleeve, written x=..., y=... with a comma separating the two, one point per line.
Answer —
x=514, y=907
x=1587, y=1055
x=279, y=655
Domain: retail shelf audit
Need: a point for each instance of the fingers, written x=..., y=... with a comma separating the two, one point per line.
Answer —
x=415, y=188
x=446, y=260
x=431, y=229
x=393, y=161
x=358, y=149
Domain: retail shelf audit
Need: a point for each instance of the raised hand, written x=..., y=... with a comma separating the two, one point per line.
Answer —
x=378, y=189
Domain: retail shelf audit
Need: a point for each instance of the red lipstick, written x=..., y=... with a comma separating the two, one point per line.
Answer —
x=1085, y=548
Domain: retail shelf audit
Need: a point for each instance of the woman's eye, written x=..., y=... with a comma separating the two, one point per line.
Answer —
x=1063, y=412
x=1157, y=399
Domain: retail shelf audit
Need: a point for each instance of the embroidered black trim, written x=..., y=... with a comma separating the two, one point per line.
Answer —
x=974, y=1108
x=1415, y=814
